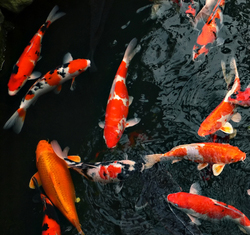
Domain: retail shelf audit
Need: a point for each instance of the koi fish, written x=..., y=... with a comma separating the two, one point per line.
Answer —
x=209, y=32
x=241, y=98
x=103, y=172
x=203, y=153
x=197, y=206
x=22, y=70
x=219, y=117
x=53, y=174
x=50, y=81
x=119, y=101
x=50, y=223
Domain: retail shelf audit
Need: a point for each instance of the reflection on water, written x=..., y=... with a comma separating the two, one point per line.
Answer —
x=172, y=96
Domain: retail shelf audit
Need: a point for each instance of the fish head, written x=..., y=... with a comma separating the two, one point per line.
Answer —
x=78, y=66
x=15, y=83
x=178, y=200
x=43, y=146
x=111, y=136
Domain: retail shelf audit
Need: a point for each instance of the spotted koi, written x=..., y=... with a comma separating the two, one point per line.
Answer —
x=22, y=70
x=119, y=101
x=241, y=98
x=50, y=81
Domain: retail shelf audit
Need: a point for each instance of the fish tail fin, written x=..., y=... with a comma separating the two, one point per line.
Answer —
x=54, y=15
x=131, y=51
x=78, y=227
x=16, y=120
x=150, y=160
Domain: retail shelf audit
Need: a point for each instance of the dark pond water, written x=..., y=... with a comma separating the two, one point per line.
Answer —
x=172, y=96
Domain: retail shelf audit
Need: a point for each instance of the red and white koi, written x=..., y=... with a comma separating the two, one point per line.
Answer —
x=209, y=32
x=241, y=98
x=203, y=153
x=197, y=206
x=103, y=172
x=119, y=101
x=224, y=112
x=50, y=81
x=50, y=223
x=22, y=70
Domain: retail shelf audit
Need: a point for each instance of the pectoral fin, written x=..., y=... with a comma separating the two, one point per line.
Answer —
x=73, y=84
x=131, y=98
x=236, y=117
x=218, y=168
x=38, y=179
x=34, y=75
x=58, y=89
x=132, y=122
x=101, y=124
x=227, y=128
x=194, y=219
x=74, y=158
x=202, y=166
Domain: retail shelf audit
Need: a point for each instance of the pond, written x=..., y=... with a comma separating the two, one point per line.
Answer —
x=172, y=96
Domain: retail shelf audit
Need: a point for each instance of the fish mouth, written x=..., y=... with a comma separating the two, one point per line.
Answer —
x=11, y=93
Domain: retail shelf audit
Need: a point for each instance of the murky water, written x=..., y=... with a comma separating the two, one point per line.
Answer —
x=172, y=96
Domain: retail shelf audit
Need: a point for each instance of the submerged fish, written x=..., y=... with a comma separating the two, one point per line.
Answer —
x=197, y=206
x=50, y=225
x=119, y=101
x=241, y=98
x=219, y=117
x=202, y=153
x=50, y=81
x=24, y=66
x=53, y=174
x=209, y=32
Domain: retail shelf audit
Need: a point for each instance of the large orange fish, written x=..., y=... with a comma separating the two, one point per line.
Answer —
x=119, y=101
x=218, y=119
x=53, y=174
x=22, y=70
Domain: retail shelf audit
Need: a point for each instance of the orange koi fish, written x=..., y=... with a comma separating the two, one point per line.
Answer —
x=218, y=119
x=119, y=101
x=203, y=153
x=50, y=223
x=209, y=32
x=197, y=206
x=22, y=70
x=53, y=174
x=50, y=81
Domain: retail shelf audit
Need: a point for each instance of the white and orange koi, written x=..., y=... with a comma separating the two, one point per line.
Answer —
x=119, y=101
x=203, y=153
x=22, y=70
x=209, y=32
x=241, y=98
x=224, y=112
x=201, y=207
x=50, y=81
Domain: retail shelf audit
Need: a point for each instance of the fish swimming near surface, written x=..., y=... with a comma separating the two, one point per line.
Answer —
x=219, y=118
x=201, y=207
x=203, y=153
x=210, y=30
x=102, y=172
x=50, y=81
x=119, y=101
x=50, y=225
x=241, y=98
x=53, y=174
x=22, y=70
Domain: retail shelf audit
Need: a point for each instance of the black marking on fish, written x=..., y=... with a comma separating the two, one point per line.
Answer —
x=51, y=71
x=15, y=69
x=63, y=74
x=38, y=86
x=65, y=65
x=44, y=27
x=38, y=53
x=50, y=212
x=45, y=227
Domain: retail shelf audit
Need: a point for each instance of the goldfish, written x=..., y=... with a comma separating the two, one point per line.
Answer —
x=209, y=32
x=203, y=153
x=201, y=207
x=53, y=174
x=219, y=117
x=22, y=70
x=241, y=98
x=52, y=80
x=119, y=101
x=50, y=223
